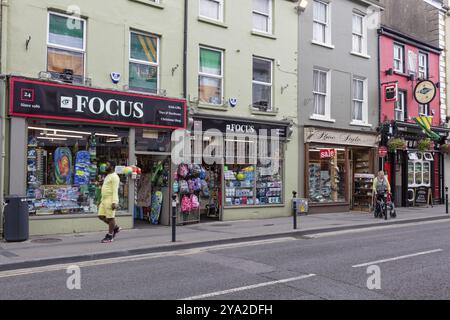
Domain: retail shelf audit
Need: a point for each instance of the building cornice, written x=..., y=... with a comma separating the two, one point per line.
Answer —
x=399, y=36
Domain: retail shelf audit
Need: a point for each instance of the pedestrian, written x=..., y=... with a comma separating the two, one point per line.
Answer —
x=110, y=202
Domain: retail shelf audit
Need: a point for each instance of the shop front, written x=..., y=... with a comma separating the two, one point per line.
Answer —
x=340, y=168
x=60, y=139
x=244, y=169
x=415, y=164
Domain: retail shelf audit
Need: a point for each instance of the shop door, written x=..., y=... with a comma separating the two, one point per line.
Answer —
x=152, y=190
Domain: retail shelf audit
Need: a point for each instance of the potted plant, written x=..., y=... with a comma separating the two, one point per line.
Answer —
x=424, y=145
x=396, y=143
x=445, y=148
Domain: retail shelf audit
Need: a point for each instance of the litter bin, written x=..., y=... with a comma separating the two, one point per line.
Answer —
x=16, y=218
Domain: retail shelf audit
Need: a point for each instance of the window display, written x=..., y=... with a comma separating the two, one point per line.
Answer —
x=65, y=167
x=326, y=175
x=419, y=171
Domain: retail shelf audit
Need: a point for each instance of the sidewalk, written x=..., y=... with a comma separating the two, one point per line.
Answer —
x=80, y=247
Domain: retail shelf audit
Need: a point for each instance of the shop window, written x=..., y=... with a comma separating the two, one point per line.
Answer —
x=262, y=15
x=262, y=84
x=144, y=62
x=66, y=47
x=255, y=184
x=419, y=170
x=326, y=175
x=64, y=167
x=211, y=76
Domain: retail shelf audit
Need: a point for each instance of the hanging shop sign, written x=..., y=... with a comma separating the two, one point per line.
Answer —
x=425, y=92
x=326, y=154
x=391, y=92
x=239, y=127
x=38, y=99
x=317, y=135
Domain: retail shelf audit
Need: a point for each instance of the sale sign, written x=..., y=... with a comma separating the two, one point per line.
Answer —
x=329, y=153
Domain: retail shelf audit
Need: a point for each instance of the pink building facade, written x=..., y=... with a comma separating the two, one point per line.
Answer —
x=416, y=175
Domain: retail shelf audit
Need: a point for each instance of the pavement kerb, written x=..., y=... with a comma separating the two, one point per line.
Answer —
x=170, y=247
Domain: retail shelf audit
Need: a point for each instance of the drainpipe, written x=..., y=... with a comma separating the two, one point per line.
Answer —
x=185, y=44
x=380, y=161
x=3, y=52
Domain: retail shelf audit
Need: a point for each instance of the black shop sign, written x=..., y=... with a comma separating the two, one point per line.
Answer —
x=240, y=127
x=44, y=100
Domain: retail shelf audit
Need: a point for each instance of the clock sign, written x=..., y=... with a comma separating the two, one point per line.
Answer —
x=425, y=92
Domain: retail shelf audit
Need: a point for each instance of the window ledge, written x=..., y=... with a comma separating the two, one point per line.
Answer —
x=212, y=22
x=399, y=73
x=150, y=3
x=264, y=35
x=271, y=113
x=325, y=45
x=319, y=118
x=361, y=55
x=216, y=107
x=360, y=124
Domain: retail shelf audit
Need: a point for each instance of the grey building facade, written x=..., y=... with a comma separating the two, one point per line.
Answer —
x=338, y=103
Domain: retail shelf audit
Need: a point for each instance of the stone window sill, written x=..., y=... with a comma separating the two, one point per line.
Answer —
x=264, y=35
x=150, y=3
x=325, y=119
x=361, y=55
x=271, y=113
x=212, y=22
x=325, y=45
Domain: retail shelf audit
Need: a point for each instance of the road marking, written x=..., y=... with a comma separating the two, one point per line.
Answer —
x=259, y=285
x=396, y=258
x=368, y=229
x=135, y=258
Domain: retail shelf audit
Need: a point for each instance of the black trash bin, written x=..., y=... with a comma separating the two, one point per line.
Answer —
x=16, y=217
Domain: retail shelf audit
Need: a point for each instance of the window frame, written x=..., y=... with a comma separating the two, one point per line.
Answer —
x=264, y=83
x=364, y=111
x=327, y=115
x=402, y=58
x=221, y=77
x=326, y=25
x=363, y=35
x=401, y=99
x=142, y=62
x=66, y=48
x=221, y=10
x=425, y=67
x=269, y=17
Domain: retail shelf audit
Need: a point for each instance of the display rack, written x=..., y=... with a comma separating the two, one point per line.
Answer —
x=362, y=197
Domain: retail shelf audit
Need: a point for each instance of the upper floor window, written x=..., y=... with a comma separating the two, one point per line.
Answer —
x=262, y=15
x=399, y=58
x=210, y=77
x=321, y=93
x=400, y=106
x=144, y=62
x=262, y=84
x=360, y=112
x=423, y=65
x=66, y=47
x=212, y=9
x=321, y=31
x=358, y=34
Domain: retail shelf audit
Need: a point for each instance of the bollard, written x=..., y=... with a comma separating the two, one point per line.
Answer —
x=446, y=200
x=174, y=218
x=294, y=206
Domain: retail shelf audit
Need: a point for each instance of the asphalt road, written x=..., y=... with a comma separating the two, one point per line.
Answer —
x=324, y=267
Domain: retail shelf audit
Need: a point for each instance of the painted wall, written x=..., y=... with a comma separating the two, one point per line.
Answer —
x=387, y=62
x=108, y=34
x=235, y=37
x=343, y=66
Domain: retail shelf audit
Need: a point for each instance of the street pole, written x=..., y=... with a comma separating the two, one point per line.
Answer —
x=294, y=208
x=446, y=200
x=174, y=218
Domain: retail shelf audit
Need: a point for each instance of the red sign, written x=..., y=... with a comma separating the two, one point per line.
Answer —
x=391, y=92
x=327, y=153
x=382, y=152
